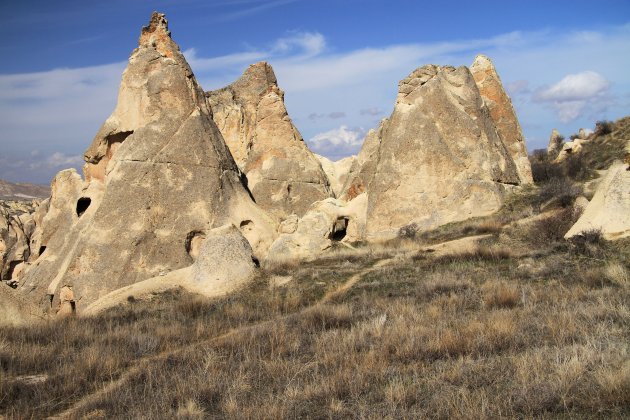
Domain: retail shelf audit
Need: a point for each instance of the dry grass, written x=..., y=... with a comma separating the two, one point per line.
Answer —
x=465, y=336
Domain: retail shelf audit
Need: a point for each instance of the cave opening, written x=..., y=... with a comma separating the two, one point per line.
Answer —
x=82, y=205
x=339, y=229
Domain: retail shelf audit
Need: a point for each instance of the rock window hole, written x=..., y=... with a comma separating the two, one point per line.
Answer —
x=246, y=226
x=42, y=249
x=193, y=243
x=339, y=229
x=82, y=205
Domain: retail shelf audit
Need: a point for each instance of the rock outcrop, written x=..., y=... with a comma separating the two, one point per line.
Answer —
x=224, y=262
x=503, y=115
x=159, y=177
x=18, y=244
x=327, y=221
x=609, y=210
x=337, y=171
x=556, y=140
x=282, y=173
x=437, y=159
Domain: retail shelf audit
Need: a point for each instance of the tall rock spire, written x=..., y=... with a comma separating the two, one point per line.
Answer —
x=502, y=113
x=159, y=176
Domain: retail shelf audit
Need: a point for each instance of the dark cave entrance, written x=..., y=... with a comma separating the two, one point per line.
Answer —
x=82, y=205
x=339, y=229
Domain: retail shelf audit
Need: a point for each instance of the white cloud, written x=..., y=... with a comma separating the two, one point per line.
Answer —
x=58, y=160
x=575, y=87
x=576, y=93
x=59, y=111
x=338, y=142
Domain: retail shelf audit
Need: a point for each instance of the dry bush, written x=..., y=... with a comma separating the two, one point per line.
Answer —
x=553, y=228
x=501, y=295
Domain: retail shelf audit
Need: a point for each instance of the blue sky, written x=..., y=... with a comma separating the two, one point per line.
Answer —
x=565, y=63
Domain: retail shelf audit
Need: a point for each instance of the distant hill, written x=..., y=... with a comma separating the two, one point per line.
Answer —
x=22, y=191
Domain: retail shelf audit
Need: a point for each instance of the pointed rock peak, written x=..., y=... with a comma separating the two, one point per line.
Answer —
x=156, y=35
x=258, y=77
x=482, y=62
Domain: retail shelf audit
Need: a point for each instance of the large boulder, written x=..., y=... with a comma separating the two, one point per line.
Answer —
x=556, y=141
x=18, y=224
x=159, y=177
x=609, y=210
x=503, y=115
x=282, y=173
x=437, y=159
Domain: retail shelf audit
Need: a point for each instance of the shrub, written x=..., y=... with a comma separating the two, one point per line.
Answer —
x=604, y=127
x=543, y=167
x=589, y=243
x=552, y=228
x=561, y=189
x=408, y=231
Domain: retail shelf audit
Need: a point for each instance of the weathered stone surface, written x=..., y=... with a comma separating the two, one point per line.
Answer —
x=224, y=263
x=14, y=309
x=556, y=140
x=570, y=148
x=17, y=228
x=326, y=221
x=282, y=174
x=337, y=172
x=437, y=159
x=609, y=210
x=158, y=177
x=503, y=115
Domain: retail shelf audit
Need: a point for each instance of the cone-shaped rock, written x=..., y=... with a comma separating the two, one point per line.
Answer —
x=282, y=173
x=502, y=113
x=437, y=159
x=158, y=177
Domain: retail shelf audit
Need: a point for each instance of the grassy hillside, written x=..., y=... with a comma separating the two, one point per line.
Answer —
x=524, y=325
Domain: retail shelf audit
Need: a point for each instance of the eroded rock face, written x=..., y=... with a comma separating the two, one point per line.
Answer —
x=503, y=115
x=437, y=159
x=158, y=173
x=18, y=225
x=325, y=222
x=282, y=174
x=556, y=140
x=609, y=210
x=337, y=171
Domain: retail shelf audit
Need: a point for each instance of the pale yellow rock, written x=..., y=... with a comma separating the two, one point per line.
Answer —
x=437, y=159
x=503, y=114
x=224, y=264
x=283, y=175
x=609, y=210
x=337, y=171
x=556, y=141
x=159, y=178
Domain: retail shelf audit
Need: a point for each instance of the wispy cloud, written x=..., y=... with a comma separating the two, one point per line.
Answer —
x=251, y=10
x=60, y=110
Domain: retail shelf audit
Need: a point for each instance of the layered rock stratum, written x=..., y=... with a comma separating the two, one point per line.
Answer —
x=283, y=175
x=158, y=177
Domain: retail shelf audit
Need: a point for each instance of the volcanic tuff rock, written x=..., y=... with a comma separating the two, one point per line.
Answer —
x=555, y=143
x=337, y=171
x=158, y=178
x=503, y=115
x=282, y=174
x=609, y=210
x=437, y=159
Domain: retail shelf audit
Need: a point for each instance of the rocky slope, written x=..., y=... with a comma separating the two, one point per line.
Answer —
x=22, y=191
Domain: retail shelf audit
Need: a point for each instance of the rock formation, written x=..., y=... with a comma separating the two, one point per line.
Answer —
x=503, y=115
x=159, y=177
x=224, y=262
x=609, y=210
x=282, y=174
x=337, y=172
x=437, y=159
x=18, y=230
x=327, y=221
x=556, y=140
